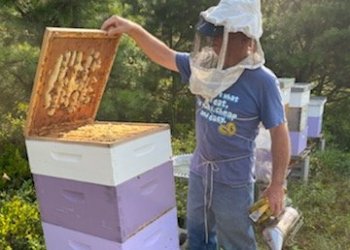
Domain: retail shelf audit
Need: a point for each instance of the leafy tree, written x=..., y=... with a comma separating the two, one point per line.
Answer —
x=307, y=40
x=337, y=124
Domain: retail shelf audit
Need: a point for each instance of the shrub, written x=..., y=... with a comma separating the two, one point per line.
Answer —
x=14, y=169
x=20, y=227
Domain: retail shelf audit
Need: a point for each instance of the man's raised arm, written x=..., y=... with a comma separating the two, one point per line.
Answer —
x=155, y=49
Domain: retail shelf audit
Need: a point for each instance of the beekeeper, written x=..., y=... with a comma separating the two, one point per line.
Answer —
x=234, y=92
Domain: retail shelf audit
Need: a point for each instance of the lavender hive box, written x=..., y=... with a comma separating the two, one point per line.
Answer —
x=315, y=127
x=316, y=106
x=158, y=235
x=112, y=213
x=298, y=141
x=315, y=116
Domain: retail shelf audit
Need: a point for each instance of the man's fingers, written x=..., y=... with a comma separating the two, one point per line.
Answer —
x=113, y=31
x=277, y=207
x=110, y=22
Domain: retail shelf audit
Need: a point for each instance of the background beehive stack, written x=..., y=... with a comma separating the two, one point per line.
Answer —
x=297, y=116
x=100, y=185
x=304, y=116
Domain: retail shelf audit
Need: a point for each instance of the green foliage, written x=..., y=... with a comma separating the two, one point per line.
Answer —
x=307, y=40
x=324, y=202
x=20, y=227
x=12, y=124
x=337, y=124
x=17, y=67
x=185, y=143
x=14, y=168
x=335, y=161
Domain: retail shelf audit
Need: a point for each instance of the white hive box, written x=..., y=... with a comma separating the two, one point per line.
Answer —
x=285, y=87
x=300, y=95
x=62, y=137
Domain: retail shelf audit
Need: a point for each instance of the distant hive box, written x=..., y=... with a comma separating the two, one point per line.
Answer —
x=79, y=162
x=300, y=95
x=298, y=141
x=315, y=115
x=285, y=88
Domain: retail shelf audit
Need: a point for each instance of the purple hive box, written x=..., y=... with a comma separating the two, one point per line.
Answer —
x=315, y=126
x=298, y=141
x=112, y=213
x=158, y=235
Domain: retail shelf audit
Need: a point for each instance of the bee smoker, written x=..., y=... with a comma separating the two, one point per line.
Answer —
x=276, y=231
x=284, y=229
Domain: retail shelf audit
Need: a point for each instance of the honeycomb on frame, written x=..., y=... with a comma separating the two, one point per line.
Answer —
x=72, y=73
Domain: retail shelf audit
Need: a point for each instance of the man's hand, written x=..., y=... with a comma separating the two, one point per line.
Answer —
x=117, y=25
x=275, y=195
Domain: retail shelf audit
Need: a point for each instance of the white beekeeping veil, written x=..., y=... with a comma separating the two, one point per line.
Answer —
x=209, y=75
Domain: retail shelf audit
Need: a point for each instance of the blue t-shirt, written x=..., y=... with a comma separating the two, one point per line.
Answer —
x=226, y=128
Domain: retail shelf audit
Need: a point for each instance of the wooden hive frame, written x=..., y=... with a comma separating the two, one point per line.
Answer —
x=71, y=76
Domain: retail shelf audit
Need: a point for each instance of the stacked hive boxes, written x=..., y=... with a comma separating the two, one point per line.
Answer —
x=304, y=116
x=100, y=186
x=297, y=117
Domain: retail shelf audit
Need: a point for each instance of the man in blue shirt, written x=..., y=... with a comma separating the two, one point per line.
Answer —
x=235, y=93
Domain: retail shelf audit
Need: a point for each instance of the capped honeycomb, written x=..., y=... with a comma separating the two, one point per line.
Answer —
x=105, y=132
